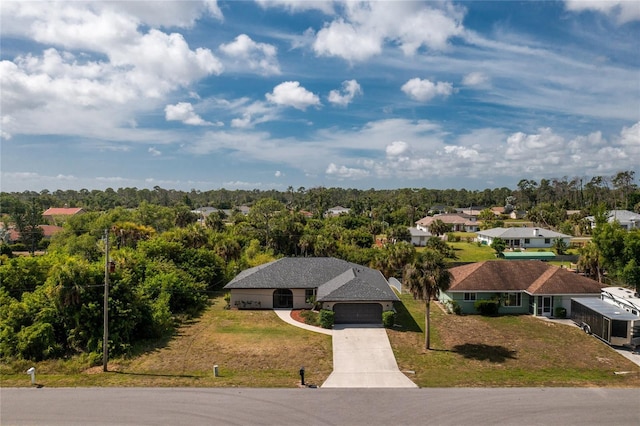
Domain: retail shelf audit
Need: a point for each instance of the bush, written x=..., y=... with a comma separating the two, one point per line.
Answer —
x=487, y=307
x=560, y=312
x=310, y=317
x=18, y=247
x=326, y=318
x=388, y=318
x=454, y=307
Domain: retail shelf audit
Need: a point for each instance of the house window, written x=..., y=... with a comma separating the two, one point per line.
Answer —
x=309, y=293
x=547, y=240
x=512, y=299
x=469, y=297
x=527, y=241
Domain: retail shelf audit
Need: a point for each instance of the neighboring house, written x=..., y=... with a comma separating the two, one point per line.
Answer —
x=517, y=214
x=355, y=293
x=459, y=222
x=57, y=215
x=627, y=220
x=522, y=237
x=419, y=237
x=471, y=210
x=528, y=286
x=337, y=211
x=497, y=210
x=12, y=235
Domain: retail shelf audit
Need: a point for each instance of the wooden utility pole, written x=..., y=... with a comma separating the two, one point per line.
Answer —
x=105, y=336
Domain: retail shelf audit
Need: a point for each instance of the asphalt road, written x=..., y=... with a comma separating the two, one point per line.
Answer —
x=214, y=406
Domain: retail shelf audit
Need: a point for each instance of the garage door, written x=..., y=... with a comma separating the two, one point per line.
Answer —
x=357, y=313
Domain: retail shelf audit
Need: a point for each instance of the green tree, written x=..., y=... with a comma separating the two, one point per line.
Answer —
x=262, y=216
x=426, y=277
x=560, y=246
x=392, y=258
x=438, y=227
x=399, y=233
x=28, y=219
x=498, y=245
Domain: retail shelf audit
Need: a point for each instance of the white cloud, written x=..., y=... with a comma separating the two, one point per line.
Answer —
x=299, y=5
x=425, y=90
x=365, y=27
x=96, y=87
x=278, y=174
x=397, y=148
x=344, y=40
x=622, y=11
x=343, y=172
x=154, y=152
x=290, y=93
x=261, y=57
x=475, y=79
x=350, y=88
x=183, y=111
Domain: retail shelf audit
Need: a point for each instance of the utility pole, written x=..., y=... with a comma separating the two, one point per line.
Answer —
x=105, y=336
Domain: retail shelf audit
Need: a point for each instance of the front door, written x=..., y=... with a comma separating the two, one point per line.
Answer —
x=283, y=298
x=544, y=305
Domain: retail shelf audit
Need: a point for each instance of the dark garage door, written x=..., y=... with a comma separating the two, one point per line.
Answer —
x=357, y=313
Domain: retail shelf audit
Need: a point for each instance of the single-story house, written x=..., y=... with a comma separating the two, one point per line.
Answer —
x=355, y=293
x=628, y=220
x=527, y=286
x=459, y=222
x=337, y=211
x=11, y=235
x=522, y=237
x=56, y=215
x=419, y=237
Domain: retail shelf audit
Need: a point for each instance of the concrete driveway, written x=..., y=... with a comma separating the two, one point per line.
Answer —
x=363, y=358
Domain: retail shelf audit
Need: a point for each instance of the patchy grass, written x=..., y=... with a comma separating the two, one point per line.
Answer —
x=478, y=351
x=472, y=252
x=257, y=349
x=251, y=349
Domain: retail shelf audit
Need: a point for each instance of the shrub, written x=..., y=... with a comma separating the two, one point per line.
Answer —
x=487, y=307
x=454, y=307
x=18, y=247
x=310, y=317
x=560, y=312
x=326, y=318
x=388, y=318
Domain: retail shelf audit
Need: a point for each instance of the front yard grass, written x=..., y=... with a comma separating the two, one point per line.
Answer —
x=257, y=349
x=476, y=351
x=251, y=349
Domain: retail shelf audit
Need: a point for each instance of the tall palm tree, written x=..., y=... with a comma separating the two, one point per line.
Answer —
x=425, y=277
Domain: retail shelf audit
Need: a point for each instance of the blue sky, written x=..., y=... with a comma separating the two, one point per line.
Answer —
x=271, y=94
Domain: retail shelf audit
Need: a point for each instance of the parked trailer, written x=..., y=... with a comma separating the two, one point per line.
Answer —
x=606, y=321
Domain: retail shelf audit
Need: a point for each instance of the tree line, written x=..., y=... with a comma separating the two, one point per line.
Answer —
x=168, y=260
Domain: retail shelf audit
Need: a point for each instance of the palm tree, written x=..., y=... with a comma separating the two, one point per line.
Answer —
x=427, y=276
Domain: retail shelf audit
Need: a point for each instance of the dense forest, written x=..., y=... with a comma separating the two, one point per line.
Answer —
x=165, y=260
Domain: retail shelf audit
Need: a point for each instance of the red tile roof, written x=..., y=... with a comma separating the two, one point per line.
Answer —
x=531, y=276
x=62, y=211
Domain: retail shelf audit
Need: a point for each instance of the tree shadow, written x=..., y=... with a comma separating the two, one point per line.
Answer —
x=404, y=320
x=482, y=352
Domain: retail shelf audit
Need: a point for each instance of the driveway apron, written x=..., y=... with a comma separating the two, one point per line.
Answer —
x=363, y=358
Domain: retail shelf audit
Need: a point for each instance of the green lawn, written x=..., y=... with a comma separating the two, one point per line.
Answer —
x=257, y=349
x=521, y=350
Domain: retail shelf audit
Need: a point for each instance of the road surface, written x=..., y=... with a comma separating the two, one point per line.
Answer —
x=305, y=406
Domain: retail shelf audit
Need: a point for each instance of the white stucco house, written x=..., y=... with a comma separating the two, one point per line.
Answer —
x=523, y=237
x=628, y=220
x=419, y=237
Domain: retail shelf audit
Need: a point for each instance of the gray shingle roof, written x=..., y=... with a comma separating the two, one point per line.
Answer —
x=522, y=232
x=335, y=279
